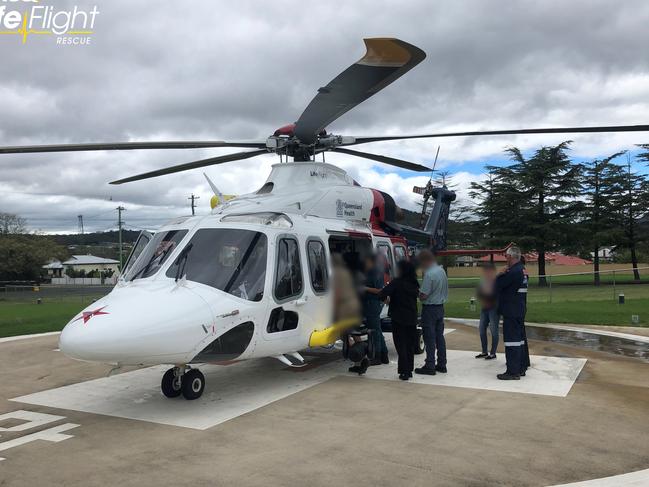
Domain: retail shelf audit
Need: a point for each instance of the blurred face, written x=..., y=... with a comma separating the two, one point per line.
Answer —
x=511, y=260
x=489, y=272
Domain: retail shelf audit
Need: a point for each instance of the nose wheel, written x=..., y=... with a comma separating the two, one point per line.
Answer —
x=179, y=380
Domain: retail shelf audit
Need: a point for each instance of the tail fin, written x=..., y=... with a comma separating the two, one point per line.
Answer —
x=438, y=218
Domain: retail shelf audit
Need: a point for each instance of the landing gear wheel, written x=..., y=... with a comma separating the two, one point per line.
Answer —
x=420, y=347
x=193, y=384
x=171, y=383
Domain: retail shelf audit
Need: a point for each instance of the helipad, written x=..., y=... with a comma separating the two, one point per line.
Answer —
x=578, y=416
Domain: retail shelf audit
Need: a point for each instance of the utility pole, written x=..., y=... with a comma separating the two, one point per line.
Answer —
x=120, y=209
x=193, y=199
x=80, y=217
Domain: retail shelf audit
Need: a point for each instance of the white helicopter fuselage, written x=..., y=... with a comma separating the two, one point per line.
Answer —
x=251, y=279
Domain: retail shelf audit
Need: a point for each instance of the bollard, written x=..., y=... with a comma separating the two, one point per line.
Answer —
x=39, y=301
x=472, y=304
x=620, y=298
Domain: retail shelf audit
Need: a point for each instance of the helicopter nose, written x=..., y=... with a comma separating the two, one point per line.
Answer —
x=137, y=326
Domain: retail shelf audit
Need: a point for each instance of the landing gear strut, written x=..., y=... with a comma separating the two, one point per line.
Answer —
x=183, y=380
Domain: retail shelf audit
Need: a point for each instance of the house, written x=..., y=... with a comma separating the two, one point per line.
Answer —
x=78, y=263
x=605, y=254
x=54, y=268
x=466, y=261
x=89, y=263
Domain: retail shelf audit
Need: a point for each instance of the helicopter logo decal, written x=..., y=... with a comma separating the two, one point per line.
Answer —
x=86, y=315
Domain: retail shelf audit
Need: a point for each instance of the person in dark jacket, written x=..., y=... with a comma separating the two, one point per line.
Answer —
x=403, y=292
x=511, y=287
x=372, y=306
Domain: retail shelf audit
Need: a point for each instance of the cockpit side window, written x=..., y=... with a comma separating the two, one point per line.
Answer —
x=288, y=276
x=231, y=260
x=155, y=254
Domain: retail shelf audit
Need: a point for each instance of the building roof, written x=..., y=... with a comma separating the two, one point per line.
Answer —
x=88, y=260
x=53, y=265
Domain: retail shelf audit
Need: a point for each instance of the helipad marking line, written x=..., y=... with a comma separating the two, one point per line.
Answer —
x=53, y=434
x=632, y=479
x=25, y=337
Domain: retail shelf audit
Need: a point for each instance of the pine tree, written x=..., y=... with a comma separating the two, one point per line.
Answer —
x=549, y=183
x=602, y=182
x=632, y=205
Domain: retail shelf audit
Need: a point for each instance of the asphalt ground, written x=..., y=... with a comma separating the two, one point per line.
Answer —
x=341, y=431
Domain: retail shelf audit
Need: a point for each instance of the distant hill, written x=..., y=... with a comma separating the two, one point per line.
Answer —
x=101, y=244
x=95, y=238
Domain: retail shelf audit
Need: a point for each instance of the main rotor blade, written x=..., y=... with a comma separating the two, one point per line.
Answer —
x=129, y=146
x=385, y=159
x=192, y=165
x=385, y=61
x=554, y=130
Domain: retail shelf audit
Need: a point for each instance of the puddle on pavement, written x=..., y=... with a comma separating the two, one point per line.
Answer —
x=590, y=341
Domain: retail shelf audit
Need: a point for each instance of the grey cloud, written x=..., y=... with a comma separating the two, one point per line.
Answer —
x=174, y=70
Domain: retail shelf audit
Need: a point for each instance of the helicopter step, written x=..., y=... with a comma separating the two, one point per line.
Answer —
x=293, y=359
x=183, y=380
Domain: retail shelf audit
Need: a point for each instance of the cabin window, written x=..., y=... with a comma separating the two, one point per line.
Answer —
x=399, y=253
x=155, y=254
x=230, y=260
x=282, y=320
x=317, y=266
x=288, y=276
x=385, y=261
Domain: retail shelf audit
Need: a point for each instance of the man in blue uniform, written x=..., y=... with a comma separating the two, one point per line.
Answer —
x=511, y=289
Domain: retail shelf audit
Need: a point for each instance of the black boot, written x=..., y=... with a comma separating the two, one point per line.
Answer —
x=365, y=363
x=425, y=371
x=384, y=358
x=508, y=376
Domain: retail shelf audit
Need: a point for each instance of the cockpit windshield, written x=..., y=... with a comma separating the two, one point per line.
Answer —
x=155, y=254
x=231, y=260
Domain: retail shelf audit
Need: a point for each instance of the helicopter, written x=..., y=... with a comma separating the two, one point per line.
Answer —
x=252, y=279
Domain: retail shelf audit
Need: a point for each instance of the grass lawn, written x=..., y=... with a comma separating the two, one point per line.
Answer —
x=561, y=304
x=569, y=304
x=23, y=318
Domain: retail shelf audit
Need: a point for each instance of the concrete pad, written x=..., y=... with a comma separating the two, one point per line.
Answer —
x=230, y=391
x=239, y=388
x=633, y=479
x=548, y=376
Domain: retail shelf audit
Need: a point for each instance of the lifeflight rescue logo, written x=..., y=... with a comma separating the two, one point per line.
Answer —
x=27, y=18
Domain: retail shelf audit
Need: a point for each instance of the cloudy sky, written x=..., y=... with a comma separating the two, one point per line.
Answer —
x=238, y=70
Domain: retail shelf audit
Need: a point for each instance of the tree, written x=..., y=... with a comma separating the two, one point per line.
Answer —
x=11, y=224
x=602, y=183
x=631, y=203
x=532, y=201
x=498, y=198
x=22, y=255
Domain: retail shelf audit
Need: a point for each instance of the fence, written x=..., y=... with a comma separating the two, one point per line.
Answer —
x=571, y=297
x=84, y=281
x=82, y=294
